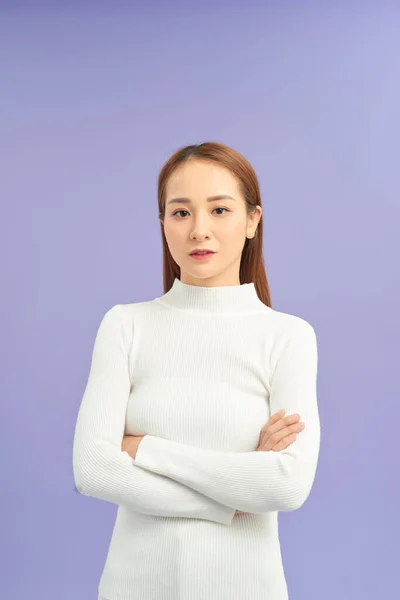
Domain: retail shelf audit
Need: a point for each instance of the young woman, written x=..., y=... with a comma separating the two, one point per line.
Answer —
x=200, y=416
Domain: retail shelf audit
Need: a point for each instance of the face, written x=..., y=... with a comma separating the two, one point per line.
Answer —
x=221, y=224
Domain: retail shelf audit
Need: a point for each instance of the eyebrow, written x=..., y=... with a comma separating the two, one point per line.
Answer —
x=210, y=199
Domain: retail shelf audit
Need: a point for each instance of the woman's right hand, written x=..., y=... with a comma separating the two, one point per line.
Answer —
x=277, y=434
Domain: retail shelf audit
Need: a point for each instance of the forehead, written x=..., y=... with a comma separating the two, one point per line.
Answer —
x=201, y=178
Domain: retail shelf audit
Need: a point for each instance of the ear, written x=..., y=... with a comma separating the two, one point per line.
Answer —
x=253, y=221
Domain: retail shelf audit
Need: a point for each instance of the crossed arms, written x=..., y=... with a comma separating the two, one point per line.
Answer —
x=171, y=479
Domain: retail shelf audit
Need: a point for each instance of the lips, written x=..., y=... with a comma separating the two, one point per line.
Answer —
x=202, y=252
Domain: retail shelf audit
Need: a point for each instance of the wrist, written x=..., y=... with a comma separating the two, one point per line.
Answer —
x=135, y=445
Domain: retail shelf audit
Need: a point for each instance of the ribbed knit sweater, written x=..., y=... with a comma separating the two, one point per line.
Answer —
x=198, y=371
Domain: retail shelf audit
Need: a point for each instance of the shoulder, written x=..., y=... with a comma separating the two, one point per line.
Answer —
x=288, y=325
x=126, y=311
x=123, y=317
x=291, y=333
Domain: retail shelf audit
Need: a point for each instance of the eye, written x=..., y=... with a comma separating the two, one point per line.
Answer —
x=182, y=210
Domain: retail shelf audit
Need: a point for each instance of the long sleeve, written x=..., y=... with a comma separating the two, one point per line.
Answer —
x=101, y=469
x=256, y=481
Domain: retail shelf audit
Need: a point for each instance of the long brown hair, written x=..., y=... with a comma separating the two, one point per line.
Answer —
x=252, y=267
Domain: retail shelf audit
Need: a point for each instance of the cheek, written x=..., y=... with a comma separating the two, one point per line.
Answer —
x=176, y=239
x=234, y=232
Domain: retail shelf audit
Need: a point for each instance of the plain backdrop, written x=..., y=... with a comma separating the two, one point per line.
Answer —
x=95, y=97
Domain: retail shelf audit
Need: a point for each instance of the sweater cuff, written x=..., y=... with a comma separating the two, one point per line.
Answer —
x=150, y=448
x=152, y=454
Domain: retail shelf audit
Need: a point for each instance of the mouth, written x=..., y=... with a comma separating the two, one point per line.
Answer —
x=202, y=255
x=202, y=251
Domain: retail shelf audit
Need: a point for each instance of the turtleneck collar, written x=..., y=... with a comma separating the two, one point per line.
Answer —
x=218, y=299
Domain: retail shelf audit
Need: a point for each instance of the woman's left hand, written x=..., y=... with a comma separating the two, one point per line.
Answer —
x=130, y=444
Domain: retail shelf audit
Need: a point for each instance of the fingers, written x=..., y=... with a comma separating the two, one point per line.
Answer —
x=279, y=435
x=283, y=444
x=276, y=423
x=281, y=428
x=276, y=420
x=273, y=419
x=295, y=428
x=277, y=415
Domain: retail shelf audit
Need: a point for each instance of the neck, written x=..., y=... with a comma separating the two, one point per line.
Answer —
x=217, y=299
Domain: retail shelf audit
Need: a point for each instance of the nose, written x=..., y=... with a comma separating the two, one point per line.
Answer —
x=200, y=229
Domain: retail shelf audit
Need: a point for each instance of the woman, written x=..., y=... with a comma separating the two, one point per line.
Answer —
x=190, y=421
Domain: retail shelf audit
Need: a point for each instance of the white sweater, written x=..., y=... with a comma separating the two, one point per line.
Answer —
x=198, y=371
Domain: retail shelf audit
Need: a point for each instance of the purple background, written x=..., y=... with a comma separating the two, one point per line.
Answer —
x=95, y=97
